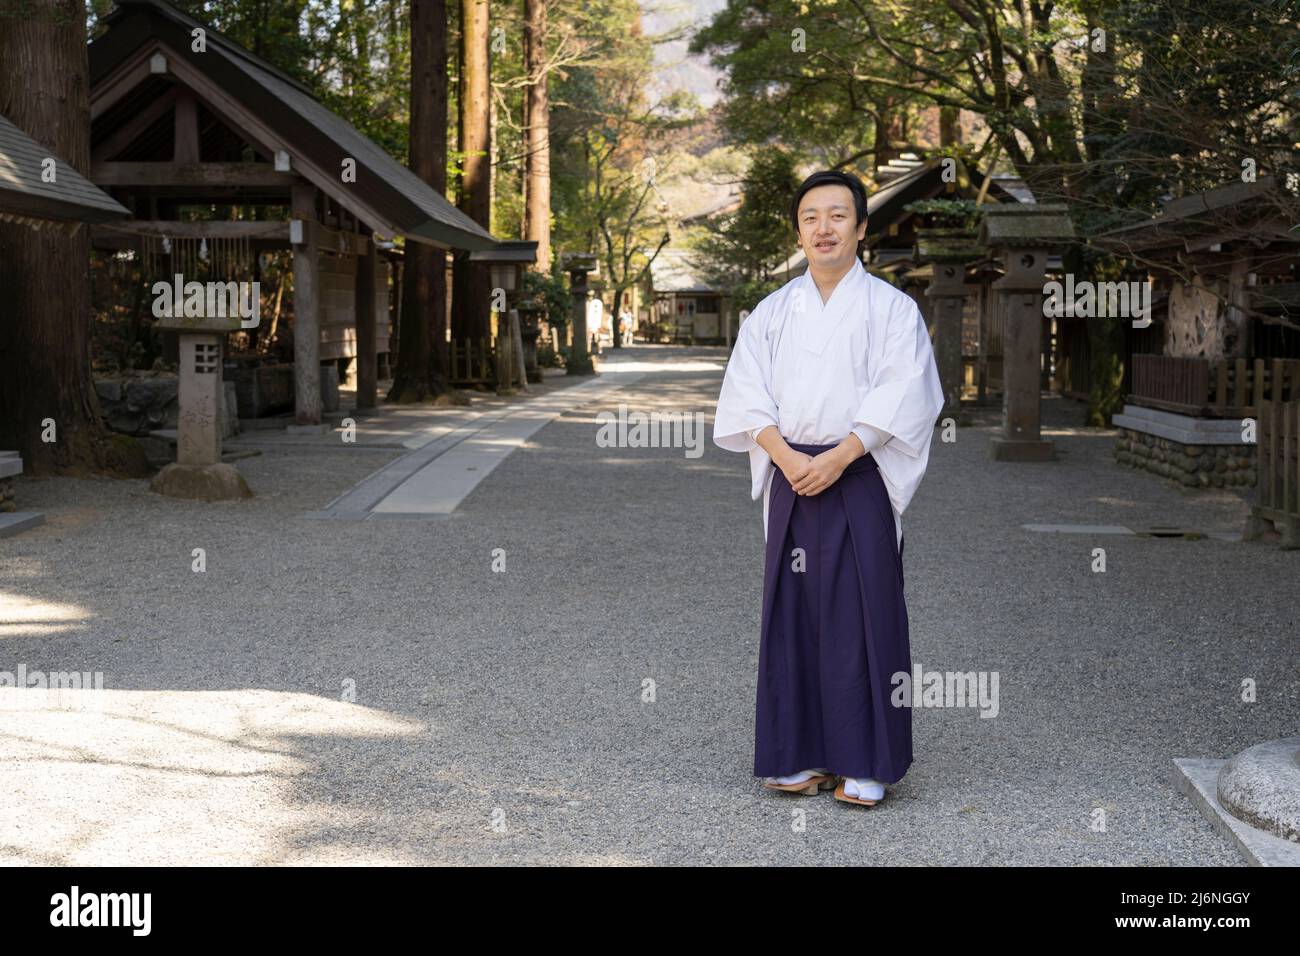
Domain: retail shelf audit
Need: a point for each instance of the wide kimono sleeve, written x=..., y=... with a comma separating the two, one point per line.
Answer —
x=904, y=401
x=745, y=403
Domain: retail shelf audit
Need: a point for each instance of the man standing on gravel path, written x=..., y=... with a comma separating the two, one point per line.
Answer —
x=833, y=391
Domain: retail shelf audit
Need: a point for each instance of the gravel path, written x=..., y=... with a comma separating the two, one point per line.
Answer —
x=594, y=702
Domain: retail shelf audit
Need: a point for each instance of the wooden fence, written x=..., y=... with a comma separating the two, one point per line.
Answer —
x=1277, y=464
x=1267, y=390
x=1228, y=388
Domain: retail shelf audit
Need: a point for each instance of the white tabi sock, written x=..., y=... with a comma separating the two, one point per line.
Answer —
x=864, y=788
x=799, y=777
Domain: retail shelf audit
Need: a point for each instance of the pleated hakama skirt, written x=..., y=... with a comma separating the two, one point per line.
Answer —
x=834, y=631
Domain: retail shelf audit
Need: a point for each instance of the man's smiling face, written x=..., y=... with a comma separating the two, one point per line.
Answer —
x=827, y=231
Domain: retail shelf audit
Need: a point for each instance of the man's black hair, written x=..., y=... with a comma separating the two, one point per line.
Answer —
x=832, y=177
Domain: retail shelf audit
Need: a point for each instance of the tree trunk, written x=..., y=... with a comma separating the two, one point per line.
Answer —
x=45, y=314
x=537, y=126
x=616, y=332
x=1105, y=342
x=949, y=126
x=471, y=293
x=421, y=371
x=888, y=126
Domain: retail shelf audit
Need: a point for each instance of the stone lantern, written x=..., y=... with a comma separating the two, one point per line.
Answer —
x=1021, y=235
x=579, y=265
x=506, y=264
x=949, y=251
x=198, y=471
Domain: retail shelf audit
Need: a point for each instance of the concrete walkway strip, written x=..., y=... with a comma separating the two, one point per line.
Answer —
x=448, y=461
x=1154, y=531
x=356, y=503
x=13, y=522
x=1079, y=528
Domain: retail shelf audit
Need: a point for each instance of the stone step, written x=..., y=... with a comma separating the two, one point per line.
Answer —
x=15, y=522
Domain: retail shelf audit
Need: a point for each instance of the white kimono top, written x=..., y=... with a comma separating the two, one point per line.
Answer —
x=818, y=371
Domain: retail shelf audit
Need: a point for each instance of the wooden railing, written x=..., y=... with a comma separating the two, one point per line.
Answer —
x=1228, y=388
x=1277, y=462
x=1266, y=390
x=473, y=362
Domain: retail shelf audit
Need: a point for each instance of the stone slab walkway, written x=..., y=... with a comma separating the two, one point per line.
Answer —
x=448, y=460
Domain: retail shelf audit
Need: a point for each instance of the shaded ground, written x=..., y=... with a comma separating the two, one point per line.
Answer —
x=499, y=717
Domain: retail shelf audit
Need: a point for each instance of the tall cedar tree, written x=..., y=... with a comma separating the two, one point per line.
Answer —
x=422, y=351
x=45, y=273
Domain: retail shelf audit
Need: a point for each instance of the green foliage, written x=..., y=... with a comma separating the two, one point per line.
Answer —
x=354, y=56
x=949, y=213
x=750, y=292
x=739, y=252
x=1108, y=107
x=547, y=357
x=611, y=145
x=550, y=292
x=792, y=77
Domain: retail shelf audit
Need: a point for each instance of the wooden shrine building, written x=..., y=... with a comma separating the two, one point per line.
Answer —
x=184, y=120
x=1224, y=271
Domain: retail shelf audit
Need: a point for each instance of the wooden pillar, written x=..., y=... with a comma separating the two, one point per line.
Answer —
x=186, y=130
x=982, y=363
x=306, y=309
x=947, y=301
x=367, y=327
x=1236, y=309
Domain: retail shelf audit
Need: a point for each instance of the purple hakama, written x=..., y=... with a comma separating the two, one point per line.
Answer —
x=834, y=633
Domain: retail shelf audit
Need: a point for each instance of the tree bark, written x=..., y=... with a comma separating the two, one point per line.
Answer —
x=949, y=126
x=421, y=371
x=471, y=292
x=537, y=125
x=45, y=312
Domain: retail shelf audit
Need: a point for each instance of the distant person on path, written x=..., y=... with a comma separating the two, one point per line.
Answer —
x=833, y=391
x=625, y=326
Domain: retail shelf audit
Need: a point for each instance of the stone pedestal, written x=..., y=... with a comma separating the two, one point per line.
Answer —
x=529, y=332
x=198, y=471
x=198, y=428
x=1261, y=786
x=329, y=387
x=948, y=250
x=1021, y=235
x=218, y=482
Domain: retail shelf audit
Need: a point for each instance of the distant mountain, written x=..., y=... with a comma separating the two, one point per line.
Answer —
x=675, y=68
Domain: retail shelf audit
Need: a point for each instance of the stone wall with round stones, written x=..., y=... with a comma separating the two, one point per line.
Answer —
x=1195, y=466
